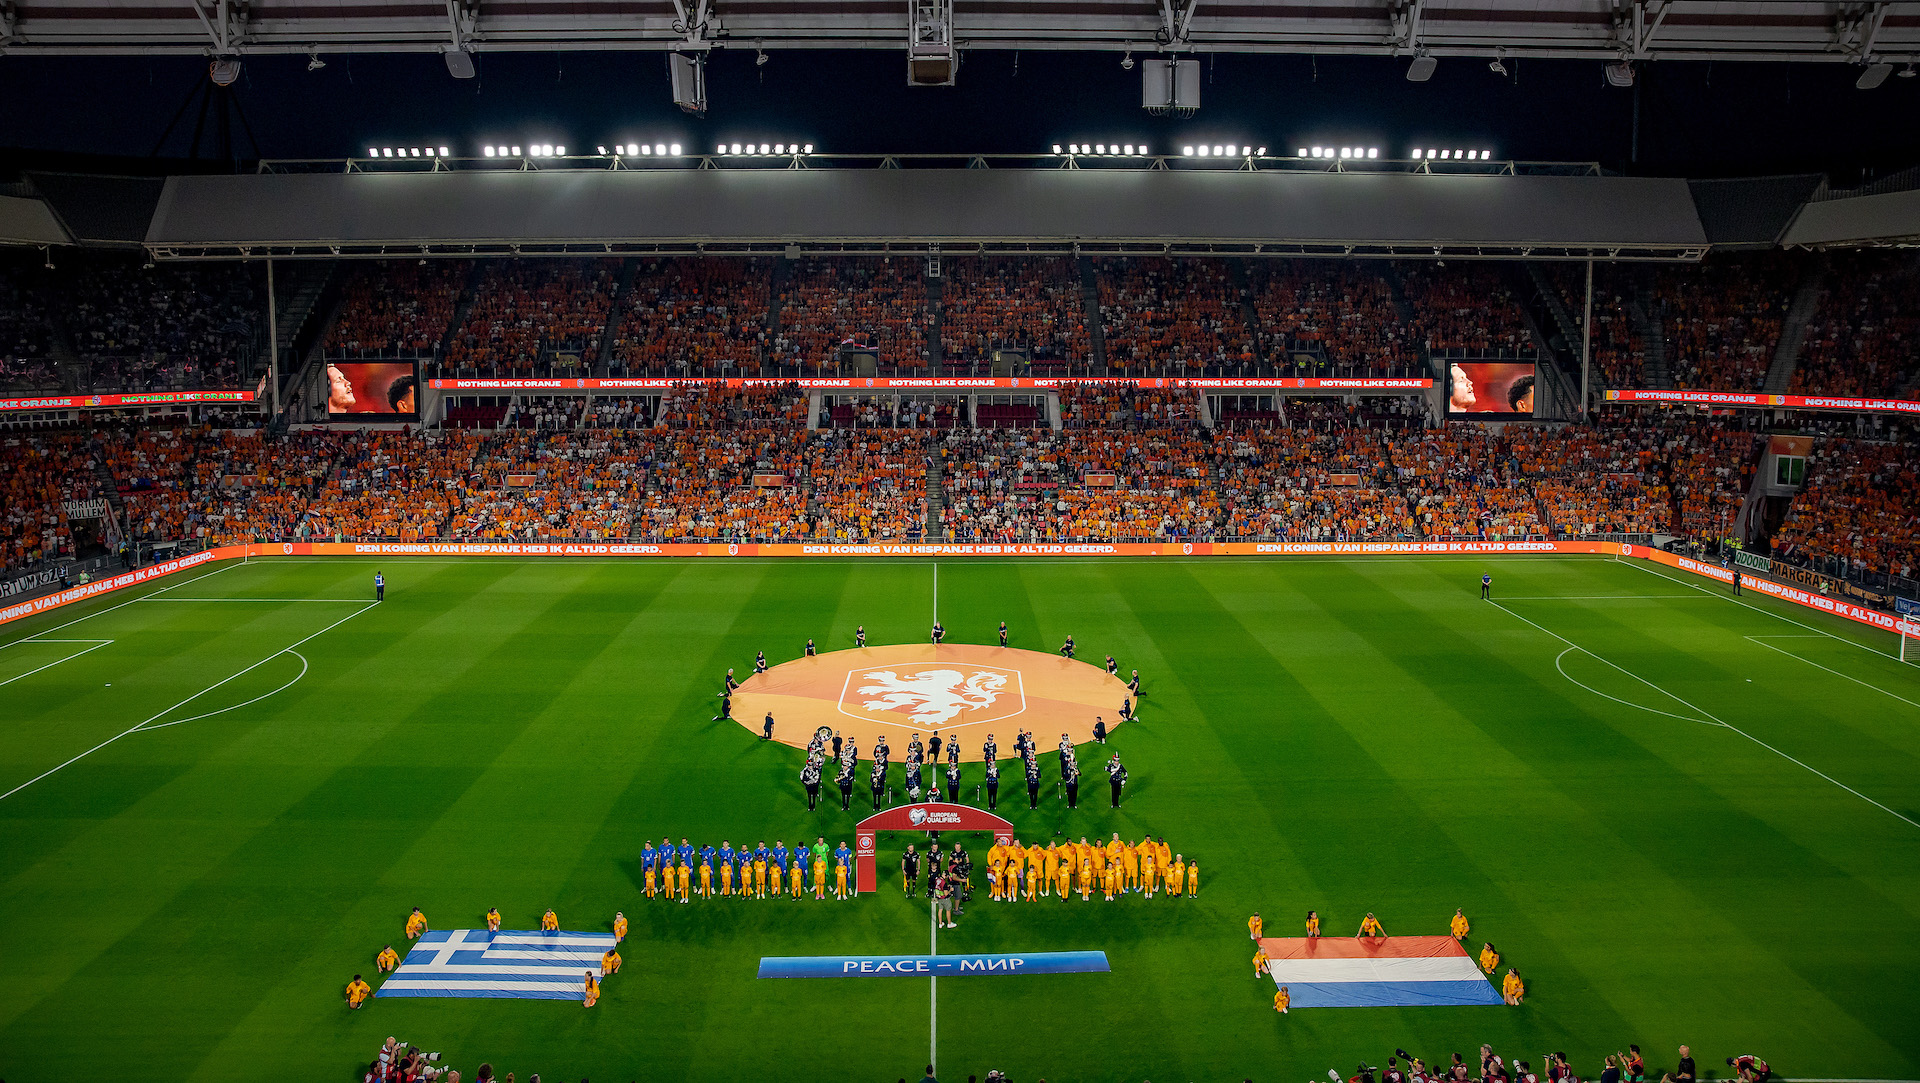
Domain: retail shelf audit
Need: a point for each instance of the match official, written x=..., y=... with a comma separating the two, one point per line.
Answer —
x=1486, y=585
x=379, y=587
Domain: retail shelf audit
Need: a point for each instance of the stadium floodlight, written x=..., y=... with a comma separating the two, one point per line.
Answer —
x=1345, y=153
x=1262, y=152
x=516, y=152
x=560, y=151
x=386, y=152
x=615, y=154
x=674, y=149
x=735, y=149
x=808, y=149
x=1872, y=76
x=1188, y=151
x=1316, y=153
x=779, y=148
x=1486, y=155
x=443, y=152
x=721, y=149
x=1456, y=154
x=763, y=148
x=1373, y=152
x=373, y=152
x=1099, y=148
x=1143, y=148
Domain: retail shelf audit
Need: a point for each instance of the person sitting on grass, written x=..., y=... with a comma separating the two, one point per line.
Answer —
x=357, y=992
x=1511, y=988
x=388, y=959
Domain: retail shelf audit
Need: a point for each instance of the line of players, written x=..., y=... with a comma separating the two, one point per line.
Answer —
x=846, y=754
x=684, y=872
x=1114, y=868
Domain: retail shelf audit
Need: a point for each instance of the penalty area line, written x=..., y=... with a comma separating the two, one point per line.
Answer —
x=222, y=681
x=1712, y=717
x=1864, y=684
x=97, y=644
x=1762, y=610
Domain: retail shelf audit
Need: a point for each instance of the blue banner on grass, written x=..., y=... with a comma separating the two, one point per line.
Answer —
x=933, y=966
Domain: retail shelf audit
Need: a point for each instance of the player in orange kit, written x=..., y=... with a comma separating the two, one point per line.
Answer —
x=1254, y=925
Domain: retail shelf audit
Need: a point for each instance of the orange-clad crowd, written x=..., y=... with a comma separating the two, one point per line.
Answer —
x=1864, y=338
x=688, y=315
x=1034, y=303
x=523, y=309
x=1107, y=406
x=399, y=307
x=38, y=473
x=1861, y=505
x=868, y=484
x=1180, y=314
x=874, y=301
x=1463, y=308
x=1341, y=311
x=1722, y=319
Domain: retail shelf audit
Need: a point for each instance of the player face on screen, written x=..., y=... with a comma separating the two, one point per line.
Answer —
x=339, y=391
x=1463, y=398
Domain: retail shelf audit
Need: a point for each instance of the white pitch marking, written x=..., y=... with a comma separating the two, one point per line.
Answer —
x=1835, y=672
x=936, y=592
x=143, y=727
x=1768, y=612
x=1722, y=722
x=1622, y=702
x=184, y=702
x=1589, y=597
x=97, y=644
x=128, y=602
x=933, y=987
x=343, y=601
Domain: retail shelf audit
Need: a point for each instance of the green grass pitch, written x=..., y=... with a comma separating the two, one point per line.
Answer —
x=186, y=902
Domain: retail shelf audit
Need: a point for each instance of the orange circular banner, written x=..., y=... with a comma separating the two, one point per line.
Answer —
x=954, y=689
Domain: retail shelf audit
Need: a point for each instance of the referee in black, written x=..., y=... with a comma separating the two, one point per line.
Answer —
x=910, y=870
x=844, y=779
x=810, y=778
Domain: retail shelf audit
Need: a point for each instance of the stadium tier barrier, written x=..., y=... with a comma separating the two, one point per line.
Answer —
x=1809, y=599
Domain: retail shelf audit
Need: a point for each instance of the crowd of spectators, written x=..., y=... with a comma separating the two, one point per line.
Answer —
x=1722, y=318
x=149, y=328
x=695, y=315
x=874, y=301
x=1176, y=315
x=26, y=337
x=715, y=406
x=868, y=485
x=527, y=314
x=995, y=302
x=1864, y=338
x=1110, y=406
x=1599, y=480
x=1308, y=484
x=397, y=308
x=1465, y=309
x=1339, y=314
x=1859, y=511
x=37, y=474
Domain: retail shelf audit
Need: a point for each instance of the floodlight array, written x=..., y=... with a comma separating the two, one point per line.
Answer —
x=1431, y=154
x=744, y=150
x=1103, y=150
x=408, y=152
x=535, y=150
x=1340, y=154
x=642, y=150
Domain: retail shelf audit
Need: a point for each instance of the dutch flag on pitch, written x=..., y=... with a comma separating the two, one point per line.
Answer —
x=1377, y=972
x=476, y=963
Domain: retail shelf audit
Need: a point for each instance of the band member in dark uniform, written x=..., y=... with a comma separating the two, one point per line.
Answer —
x=990, y=750
x=726, y=707
x=845, y=781
x=809, y=648
x=913, y=778
x=1066, y=649
x=953, y=781
x=759, y=661
x=1033, y=785
x=953, y=748
x=1116, y=777
x=766, y=728
x=879, y=780
x=1066, y=752
x=1099, y=730
x=731, y=683
x=1126, y=710
x=860, y=636
x=993, y=784
x=1072, y=776
x=913, y=746
x=1003, y=633
x=1134, y=684
x=810, y=778
x=910, y=870
x=939, y=633
x=1113, y=667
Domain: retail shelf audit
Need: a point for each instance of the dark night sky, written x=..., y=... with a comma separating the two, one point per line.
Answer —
x=1696, y=119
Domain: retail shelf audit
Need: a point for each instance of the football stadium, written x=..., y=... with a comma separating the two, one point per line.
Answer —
x=1390, y=558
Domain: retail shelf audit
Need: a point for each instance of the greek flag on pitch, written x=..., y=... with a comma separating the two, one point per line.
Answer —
x=508, y=965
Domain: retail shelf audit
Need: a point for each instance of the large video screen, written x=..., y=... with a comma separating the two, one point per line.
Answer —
x=1490, y=387
x=389, y=389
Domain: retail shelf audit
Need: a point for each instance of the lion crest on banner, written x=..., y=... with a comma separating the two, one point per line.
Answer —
x=932, y=696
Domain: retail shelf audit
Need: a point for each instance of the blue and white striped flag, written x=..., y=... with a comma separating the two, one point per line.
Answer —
x=504, y=965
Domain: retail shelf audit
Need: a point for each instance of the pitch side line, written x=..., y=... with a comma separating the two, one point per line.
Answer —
x=128, y=602
x=1590, y=597
x=1714, y=718
x=97, y=644
x=184, y=702
x=936, y=592
x=933, y=990
x=1816, y=665
x=178, y=598
x=1768, y=612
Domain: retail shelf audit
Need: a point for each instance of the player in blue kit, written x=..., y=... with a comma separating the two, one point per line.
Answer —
x=649, y=857
x=686, y=853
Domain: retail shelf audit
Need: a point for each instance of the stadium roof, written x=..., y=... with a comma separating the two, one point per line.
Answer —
x=1851, y=32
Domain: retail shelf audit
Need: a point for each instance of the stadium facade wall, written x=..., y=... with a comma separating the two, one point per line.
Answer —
x=268, y=550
